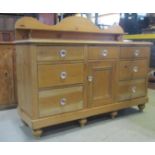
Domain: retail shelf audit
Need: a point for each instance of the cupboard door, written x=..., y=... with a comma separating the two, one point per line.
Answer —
x=101, y=81
x=6, y=76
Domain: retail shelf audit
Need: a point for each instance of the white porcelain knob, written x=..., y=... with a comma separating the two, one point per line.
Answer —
x=104, y=53
x=136, y=53
x=63, y=75
x=63, y=53
x=135, y=69
x=133, y=89
x=63, y=101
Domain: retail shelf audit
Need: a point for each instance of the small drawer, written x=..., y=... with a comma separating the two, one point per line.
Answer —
x=59, y=101
x=56, y=53
x=131, y=89
x=132, y=69
x=103, y=52
x=60, y=74
x=134, y=52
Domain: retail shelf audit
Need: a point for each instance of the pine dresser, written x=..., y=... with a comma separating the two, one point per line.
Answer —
x=74, y=70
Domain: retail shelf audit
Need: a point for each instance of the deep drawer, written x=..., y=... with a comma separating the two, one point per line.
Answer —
x=59, y=101
x=131, y=89
x=60, y=74
x=58, y=53
x=133, y=69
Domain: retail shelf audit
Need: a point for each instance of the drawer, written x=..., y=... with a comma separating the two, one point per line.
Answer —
x=103, y=52
x=56, y=53
x=134, y=52
x=124, y=91
x=138, y=88
x=131, y=89
x=59, y=101
x=132, y=69
x=60, y=74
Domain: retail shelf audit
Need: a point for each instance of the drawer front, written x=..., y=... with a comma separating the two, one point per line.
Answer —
x=57, y=53
x=103, y=52
x=124, y=91
x=131, y=89
x=134, y=52
x=59, y=101
x=138, y=88
x=132, y=69
x=60, y=74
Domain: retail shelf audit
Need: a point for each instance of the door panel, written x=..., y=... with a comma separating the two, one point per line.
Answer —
x=101, y=83
x=7, y=89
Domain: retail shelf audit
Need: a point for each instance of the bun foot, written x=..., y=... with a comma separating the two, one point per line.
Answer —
x=37, y=132
x=114, y=114
x=82, y=122
x=141, y=107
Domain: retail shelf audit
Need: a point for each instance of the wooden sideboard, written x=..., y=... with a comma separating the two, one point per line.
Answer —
x=74, y=70
x=7, y=75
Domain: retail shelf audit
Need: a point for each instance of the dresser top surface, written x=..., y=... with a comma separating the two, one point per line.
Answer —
x=59, y=41
x=6, y=43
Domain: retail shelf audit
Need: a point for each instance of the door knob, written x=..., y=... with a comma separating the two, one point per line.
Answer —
x=90, y=78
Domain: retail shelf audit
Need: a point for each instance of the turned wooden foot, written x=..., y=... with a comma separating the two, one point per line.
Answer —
x=82, y=122
x=114, y=114
x=141, y=107
x=37, y=132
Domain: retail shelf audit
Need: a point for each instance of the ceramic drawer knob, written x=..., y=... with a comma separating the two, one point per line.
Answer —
x=137, y=53
x=90, y=78
x=63, y=53
x=133, y=89
x=63, y=75
x=135, y=69
x=63, y=101
x=104, y=53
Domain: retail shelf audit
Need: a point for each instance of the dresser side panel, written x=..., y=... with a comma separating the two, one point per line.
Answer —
x=27, y=79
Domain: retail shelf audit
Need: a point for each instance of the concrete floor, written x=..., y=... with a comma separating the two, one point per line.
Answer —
x=130, y=125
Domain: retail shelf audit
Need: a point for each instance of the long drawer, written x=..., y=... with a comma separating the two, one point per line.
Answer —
x=60, y=74
x=58, y=53
x=134, y=52
x=132, y=69
x=59, y=101
x=131, y=89
x=103, y=52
